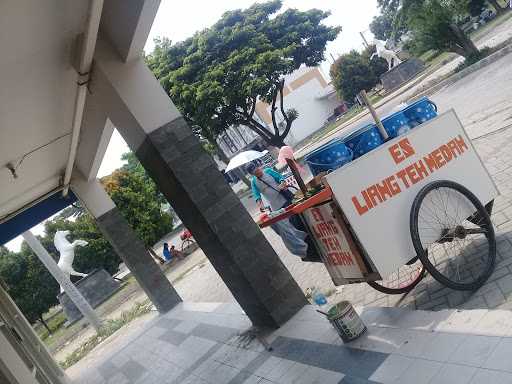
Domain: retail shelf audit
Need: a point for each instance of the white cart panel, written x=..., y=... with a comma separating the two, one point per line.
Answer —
x=376, y=191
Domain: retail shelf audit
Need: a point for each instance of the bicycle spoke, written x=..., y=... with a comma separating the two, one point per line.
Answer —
x=449, y=237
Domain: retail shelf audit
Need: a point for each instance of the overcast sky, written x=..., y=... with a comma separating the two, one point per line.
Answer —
x=180, y=20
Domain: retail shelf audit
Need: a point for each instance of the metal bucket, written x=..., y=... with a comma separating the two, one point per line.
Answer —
x=346, y=321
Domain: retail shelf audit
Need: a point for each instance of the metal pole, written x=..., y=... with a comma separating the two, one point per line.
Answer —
x=364, y=39
x=74, y=294
x=366, y=100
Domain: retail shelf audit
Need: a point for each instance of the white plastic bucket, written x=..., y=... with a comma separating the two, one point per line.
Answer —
x=346, y=321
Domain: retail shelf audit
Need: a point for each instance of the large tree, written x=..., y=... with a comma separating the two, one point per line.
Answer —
x=139, y=200
x=29, y=283
x=382, y=26
x=433, y=24
x=217, y=76
x=354, y=71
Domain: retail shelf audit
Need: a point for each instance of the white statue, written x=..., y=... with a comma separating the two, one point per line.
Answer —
x=67, y=253
x=387, y=54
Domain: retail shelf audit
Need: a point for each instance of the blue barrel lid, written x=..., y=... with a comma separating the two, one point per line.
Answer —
x=359, y=131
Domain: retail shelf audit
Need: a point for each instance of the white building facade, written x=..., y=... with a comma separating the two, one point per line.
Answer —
x=308, y=91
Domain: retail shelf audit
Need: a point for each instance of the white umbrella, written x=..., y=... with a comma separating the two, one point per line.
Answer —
x=244, y=158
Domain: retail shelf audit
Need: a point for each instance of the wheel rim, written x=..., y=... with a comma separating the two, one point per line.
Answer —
x=454, y=237
x=404, y=277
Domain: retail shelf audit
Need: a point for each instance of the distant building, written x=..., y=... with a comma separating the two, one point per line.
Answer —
x=237, y=139
x=306, y=90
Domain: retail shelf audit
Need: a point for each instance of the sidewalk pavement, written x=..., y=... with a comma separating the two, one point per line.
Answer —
x=202, y=343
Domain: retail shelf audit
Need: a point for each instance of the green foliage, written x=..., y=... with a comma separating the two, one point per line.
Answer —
x=35, y=290
x=433, y=24
x=475, y=7
x=54, y=324
x=28, y=282
x=354, y=71
x=216, y=77
x=140, y=202
x=133, y=166
x=382, y=26
x=97, y=254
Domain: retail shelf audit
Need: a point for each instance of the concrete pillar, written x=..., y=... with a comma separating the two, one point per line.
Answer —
x=70, y=289
x=126, y=243
x=189, y=179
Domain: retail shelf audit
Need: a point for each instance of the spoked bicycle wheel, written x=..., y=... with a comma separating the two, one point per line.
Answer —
x=186, y=243
x=453, y=235
x=402, y=280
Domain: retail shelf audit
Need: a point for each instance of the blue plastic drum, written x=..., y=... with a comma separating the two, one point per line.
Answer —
x=420, y=111
x=364, y=140
x=329, y=157
x=396, y=124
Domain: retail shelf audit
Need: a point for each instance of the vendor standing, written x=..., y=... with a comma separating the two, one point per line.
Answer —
x=270, y=184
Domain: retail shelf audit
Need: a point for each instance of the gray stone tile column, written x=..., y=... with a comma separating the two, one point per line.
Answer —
x=190, y=180
x=127, y=245
x=234, y=244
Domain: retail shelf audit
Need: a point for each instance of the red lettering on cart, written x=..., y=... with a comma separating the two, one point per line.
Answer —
x=367, y=199
x=447, y=153
x=317, y=214
x=402, y=175
x=326, y=228
x=374, y=195
x=334, y=228
x=383, y=189
x=420, y=169
x=340, y=258
x=361, y=209
x=453, y=148
x=438, y=157
x=401, y=150
x=431, y=162
x=459, y=140
x=379, y=192
x=387, y=188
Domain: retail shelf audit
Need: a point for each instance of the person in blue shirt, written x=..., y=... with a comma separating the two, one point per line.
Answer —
x=269, y=183
x=266, y=182
x=167, y=253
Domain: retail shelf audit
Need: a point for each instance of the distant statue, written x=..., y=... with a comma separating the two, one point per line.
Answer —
x=386, y=54
x=67, y=253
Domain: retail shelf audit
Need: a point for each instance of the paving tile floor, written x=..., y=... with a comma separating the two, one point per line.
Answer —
x=400, y=346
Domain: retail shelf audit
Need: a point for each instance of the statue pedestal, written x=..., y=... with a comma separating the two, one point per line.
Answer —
x=401, y=74
x=96, y=288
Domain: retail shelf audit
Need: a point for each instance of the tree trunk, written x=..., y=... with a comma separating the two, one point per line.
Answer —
x=496, y=6
x=240, y=174
x=44, y=324
x=464, y=42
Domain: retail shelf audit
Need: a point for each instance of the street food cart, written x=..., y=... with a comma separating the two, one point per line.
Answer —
x=420, y=201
